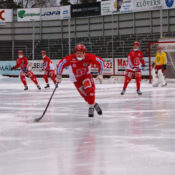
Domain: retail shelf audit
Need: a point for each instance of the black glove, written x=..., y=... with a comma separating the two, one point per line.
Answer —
x=12, y=68
x=24, y=70
x=164, y=66
x=143, y=65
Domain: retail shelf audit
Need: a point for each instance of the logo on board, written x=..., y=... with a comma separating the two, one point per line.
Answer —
x=169, y=3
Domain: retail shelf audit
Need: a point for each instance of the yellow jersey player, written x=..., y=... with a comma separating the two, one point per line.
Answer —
x=159, y=67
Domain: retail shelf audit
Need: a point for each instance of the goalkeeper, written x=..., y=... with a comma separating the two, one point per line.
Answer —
x=158, y=68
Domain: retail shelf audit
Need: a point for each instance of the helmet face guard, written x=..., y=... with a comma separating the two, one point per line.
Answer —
x=20, y=53
x=80, y=49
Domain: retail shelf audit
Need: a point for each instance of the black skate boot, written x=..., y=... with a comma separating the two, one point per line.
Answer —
x=98, y=109
x=38, y=86
x=91, y=112
x=47, y=86
x=139, y=92
x=26, y=88
x=123, y=92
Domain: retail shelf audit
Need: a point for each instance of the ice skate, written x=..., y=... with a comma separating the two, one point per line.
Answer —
x=164, y=85
x=47, y=86
x=139, y=92
x=91, y=112
x=98, y=109
x=38, y=86
x=123, y=92
x=26, y=88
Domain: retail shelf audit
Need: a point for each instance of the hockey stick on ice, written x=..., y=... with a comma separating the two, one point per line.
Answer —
x=39, y=118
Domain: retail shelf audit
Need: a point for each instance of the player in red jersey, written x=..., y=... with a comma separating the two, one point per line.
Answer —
x=48, y=69
x=25, y=67
x=79, y=65
x=135, y=59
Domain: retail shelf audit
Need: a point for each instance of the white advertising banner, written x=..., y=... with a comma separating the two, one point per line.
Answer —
x=52, y=13
x=6, y=15
x=65, y=12
x=109, y=67
x=168, y=4
x=127, y=6
x=28, y=14
x=122, y=63
x=108, y=7
x=145, y=5
x=116, y=66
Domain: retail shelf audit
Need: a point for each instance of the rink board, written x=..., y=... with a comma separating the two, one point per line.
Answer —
x=113, y=66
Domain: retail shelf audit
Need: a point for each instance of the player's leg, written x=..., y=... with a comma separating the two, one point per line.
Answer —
x=52, y=76
x=45, y=76
x=89, y=87
x=31, y=75
x=138, y=77
x=23, y=80
x=86, y=88
x=155, y=81
x=128, y=77
x=161, y=77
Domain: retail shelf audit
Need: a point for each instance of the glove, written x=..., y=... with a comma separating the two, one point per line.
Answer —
x=58, y=78
x=153, y=65
x=100, y=78
x=12, y=68
x=40, y=70
x=164, y=66
x=136, y=69
x=24, y=70
x=143, y=65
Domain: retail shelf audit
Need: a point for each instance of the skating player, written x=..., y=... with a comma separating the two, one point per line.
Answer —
x=80, y=73
x=48, y=69
x=25, y=67
x=135, y=59
x=159, y=67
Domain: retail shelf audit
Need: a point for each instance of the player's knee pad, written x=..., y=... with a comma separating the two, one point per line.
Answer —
x=45, y=76
x=129, y=74
x=160, y=73
x=52, y=74
x=138, y=75
x=30, y=74
x=154, y=73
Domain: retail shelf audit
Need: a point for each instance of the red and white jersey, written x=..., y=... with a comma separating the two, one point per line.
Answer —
x=135, y=59
x=78, y=69
x=23, y=63
x=48, y=65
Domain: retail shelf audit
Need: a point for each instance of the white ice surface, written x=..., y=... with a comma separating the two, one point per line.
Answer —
x=135, y=135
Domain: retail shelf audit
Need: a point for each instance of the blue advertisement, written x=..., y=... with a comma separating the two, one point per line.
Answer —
x=5, y=68
x=169, y=4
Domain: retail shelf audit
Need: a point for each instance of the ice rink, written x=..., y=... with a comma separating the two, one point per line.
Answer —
x=135, y=135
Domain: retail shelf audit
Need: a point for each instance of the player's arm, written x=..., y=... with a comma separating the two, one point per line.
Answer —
x=99, y=62
x=46, y=64
x=142, y=60
x=60, y=67
x=130, y=63
x=17, y=64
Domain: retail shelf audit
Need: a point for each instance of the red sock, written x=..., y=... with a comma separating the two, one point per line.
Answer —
x=138, y=76
x=23, y=79
x=46, y=78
